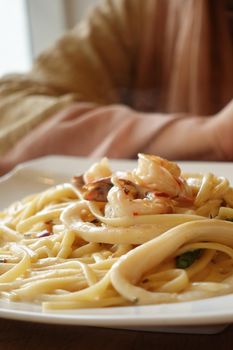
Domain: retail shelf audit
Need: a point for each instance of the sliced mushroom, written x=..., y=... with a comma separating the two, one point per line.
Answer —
x=97, y=190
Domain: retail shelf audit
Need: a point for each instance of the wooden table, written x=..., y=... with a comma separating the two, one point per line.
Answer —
x=15, y=335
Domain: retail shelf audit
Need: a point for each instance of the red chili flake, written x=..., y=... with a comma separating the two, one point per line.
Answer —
x=135, y=213
x=161, y=194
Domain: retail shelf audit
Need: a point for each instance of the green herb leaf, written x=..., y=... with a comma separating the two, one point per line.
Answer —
x=187, y=259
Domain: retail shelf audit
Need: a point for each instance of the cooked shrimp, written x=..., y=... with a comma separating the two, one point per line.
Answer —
x=160, y=175
x=125, y=198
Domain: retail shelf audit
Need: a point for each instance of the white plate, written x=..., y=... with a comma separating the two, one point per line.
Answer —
x=204, y=316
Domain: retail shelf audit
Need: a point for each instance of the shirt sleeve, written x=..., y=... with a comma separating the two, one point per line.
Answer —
x=85, y=129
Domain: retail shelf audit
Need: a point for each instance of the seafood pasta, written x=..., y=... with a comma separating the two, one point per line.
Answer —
x=147, y=236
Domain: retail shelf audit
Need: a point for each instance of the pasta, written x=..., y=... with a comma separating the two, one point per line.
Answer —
x=147, y=236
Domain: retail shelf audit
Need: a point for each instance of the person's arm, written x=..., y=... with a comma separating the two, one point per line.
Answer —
x=120, y=132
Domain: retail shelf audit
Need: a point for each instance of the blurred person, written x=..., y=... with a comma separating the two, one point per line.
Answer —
x=154, y=76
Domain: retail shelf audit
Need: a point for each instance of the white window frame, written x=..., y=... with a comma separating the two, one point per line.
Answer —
x=47, y=22
x=49, y=19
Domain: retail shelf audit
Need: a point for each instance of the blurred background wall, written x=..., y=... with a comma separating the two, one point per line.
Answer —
x=27, y=27
x=76, y=9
